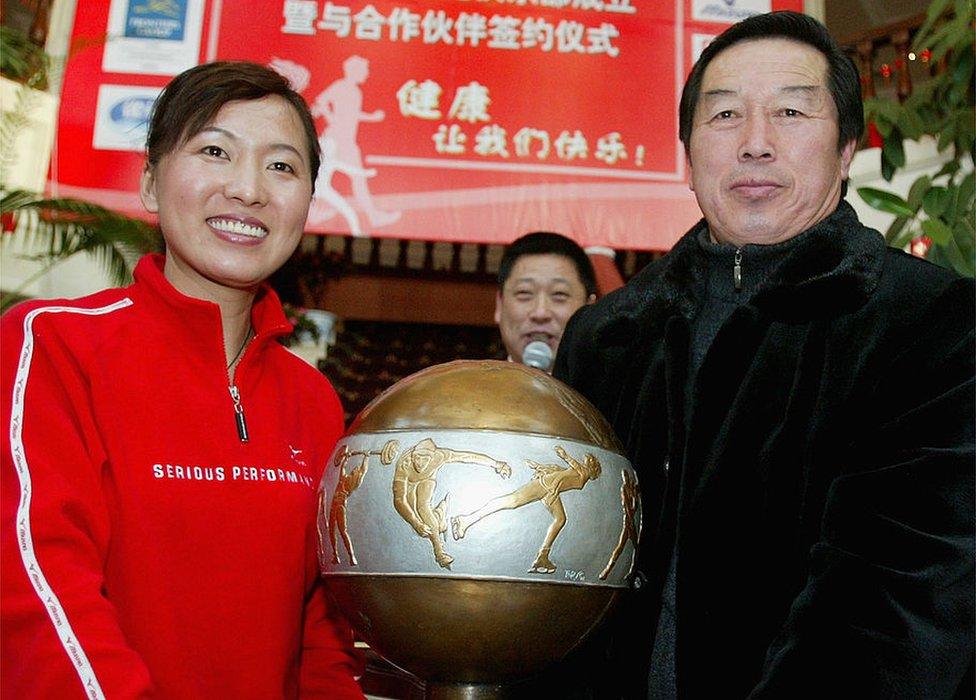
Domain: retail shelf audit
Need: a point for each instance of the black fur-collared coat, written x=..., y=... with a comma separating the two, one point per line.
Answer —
x=825, y=525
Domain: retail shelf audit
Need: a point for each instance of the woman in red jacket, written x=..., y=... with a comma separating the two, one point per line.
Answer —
x=161, y=450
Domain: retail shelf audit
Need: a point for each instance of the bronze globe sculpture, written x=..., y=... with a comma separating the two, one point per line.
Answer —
x=478, y=521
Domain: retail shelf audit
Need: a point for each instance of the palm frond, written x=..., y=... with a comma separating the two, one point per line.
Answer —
x=62, y=227
x=54, y=229
x=12, y=122
x=23, y=60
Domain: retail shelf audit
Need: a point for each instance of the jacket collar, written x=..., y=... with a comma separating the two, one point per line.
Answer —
x=179, y=310
x=829, y=269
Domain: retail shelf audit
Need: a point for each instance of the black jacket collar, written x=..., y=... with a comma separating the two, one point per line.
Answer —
x=831, y=268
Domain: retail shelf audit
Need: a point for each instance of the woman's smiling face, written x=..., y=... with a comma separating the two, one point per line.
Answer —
x=233, y=198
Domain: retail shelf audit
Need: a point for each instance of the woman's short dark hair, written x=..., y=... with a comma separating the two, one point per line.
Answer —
x=548, y=243
x=192, y=99
x=842, y=76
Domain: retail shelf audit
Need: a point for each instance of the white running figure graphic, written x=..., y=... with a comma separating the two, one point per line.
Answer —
x=340, y=104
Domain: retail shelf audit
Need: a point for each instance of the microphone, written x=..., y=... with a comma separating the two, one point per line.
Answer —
x=537, y=354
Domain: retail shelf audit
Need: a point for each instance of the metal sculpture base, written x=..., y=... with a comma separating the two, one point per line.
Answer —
x=480, y=634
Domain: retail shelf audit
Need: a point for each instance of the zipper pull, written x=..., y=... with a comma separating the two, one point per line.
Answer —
x=239, y=414
x=737, y=270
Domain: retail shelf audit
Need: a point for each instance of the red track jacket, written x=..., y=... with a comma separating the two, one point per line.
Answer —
x=147, y=552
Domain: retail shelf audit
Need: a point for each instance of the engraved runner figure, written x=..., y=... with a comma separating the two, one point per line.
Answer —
x=414, y=483
x=547, y=484
x=628, y=532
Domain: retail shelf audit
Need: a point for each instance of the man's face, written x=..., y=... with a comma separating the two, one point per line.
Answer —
x=539, y=296
x=763, y=150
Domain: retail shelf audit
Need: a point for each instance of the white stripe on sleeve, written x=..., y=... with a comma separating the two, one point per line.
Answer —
x=25, y=540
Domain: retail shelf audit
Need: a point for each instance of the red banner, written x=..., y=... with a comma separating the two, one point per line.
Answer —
x=461, y=120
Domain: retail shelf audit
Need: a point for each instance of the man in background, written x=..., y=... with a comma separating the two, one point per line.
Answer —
x=797, y=400
x=543, y=278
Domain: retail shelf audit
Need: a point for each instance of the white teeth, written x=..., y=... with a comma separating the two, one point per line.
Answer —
x=237, y=227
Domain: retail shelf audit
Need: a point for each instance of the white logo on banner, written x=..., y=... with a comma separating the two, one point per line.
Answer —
x=122, y=117
x=727, y=11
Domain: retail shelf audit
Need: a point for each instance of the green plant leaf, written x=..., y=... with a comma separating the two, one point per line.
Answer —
x=928, y=115
x=945, y=39
x=965, y=130
x=894, y=151
x=935, y=11
x=941, y=106
x=950, y=168
x=964, y=236
x=955, y=258
x=882, y=111
x=967, y=192
x=888, y=202
x=935, y=201
x=964, y=68
x=937, y=256
x=884, y=127
x=937, y=230
x=951, y=212
x=903, y=239
x=956, y=95
x=910, y=123
x=887, y=169
x=947, y=136
x=917, y=191
x=895, y=229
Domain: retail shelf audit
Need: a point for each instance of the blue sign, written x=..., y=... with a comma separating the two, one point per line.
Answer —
x=156, y=19
x=131, y=115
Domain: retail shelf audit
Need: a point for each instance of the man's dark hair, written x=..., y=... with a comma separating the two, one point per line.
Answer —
x=548, y=243
x=842, y=76
x=192, y=99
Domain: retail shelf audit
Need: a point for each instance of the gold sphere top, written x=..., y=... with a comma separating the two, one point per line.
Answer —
x=487, y=395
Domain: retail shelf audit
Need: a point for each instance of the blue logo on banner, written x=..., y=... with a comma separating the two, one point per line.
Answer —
x=156, y=19
x=131, y=115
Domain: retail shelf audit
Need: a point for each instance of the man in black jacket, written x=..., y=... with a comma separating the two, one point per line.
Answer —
x=798, y=401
